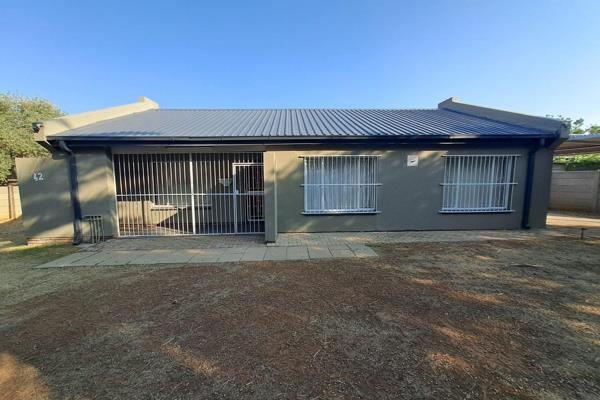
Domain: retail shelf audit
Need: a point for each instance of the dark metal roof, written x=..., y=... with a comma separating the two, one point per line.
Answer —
x=287, y=123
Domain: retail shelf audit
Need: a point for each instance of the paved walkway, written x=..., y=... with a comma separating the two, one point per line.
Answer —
x=573, y=219
x=294, y=246
x=92, y=256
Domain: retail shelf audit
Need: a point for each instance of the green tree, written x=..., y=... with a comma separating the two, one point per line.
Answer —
x=17, y=113
x=579, y=162
x=577, y=126
x=594, y=129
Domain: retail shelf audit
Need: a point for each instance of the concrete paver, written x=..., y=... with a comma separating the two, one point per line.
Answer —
x=206, y=255
x=92, y=260
x=121, y=257
x=363, y=251
x=254, y=254
x=338, y=246
x=342, y=253
x=230, y=257
x=276, y=253
x=163, y=257
x=297, y=253
x=236, y=250
x=66, y=260
x=319, y=252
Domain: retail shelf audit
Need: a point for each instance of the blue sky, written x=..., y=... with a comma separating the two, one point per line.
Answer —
x=538, y=57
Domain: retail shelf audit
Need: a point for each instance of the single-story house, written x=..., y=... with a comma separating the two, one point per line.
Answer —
x=146, y=171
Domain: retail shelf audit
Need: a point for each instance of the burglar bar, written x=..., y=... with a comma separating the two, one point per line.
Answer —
x=478, y=183
x=341, y=184
x=189, y=194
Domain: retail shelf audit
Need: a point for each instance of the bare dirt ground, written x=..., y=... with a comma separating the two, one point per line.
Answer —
x=485, y=320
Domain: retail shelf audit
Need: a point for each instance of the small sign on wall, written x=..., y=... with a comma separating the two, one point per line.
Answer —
x=412, y=160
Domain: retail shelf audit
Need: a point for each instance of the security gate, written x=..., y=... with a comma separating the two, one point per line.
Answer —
x=189, y=193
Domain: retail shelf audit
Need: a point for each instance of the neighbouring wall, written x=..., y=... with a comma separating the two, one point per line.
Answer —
x=575, y=190
x=10, y=202
x=410, y=197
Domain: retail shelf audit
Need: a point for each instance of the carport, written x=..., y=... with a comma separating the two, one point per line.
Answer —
x=579, y=144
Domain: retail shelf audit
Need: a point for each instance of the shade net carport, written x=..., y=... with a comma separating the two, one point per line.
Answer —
x=579, y=144
x=189, y=193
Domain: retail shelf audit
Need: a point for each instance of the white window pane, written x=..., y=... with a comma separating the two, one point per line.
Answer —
x=340, y=184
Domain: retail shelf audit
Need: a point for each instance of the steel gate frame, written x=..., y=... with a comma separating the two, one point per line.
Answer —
x=236, y=193
x=138, y=177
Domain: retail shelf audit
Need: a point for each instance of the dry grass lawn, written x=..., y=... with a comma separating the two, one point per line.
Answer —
x=486, y=320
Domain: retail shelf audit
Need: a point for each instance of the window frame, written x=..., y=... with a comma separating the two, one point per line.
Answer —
x=493, y=194
x=342, y=211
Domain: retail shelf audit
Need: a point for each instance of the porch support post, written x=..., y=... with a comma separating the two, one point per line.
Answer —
x=540, y=189
x=270, y=199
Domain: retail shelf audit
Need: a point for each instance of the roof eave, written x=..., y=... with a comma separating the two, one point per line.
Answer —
x=294, y=139
x=551, y=125
x=48, y=130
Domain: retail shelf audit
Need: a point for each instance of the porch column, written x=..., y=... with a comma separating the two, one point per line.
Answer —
x=270, y=197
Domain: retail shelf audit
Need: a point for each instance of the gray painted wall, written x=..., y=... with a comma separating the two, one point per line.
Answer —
x=46, y=203
x=409, y=198
x=96, y=188
x=540, y=196
x=270, y=193
x=45, y=199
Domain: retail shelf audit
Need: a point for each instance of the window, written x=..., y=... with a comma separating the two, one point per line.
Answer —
x=478, y=183
x=340, y=184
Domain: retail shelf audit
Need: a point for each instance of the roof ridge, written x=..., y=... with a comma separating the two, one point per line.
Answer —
x=298, y=109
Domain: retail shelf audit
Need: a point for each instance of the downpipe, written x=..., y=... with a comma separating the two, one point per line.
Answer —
x=74, y=190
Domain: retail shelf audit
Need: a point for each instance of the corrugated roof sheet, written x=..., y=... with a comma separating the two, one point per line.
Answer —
x=274, y=123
